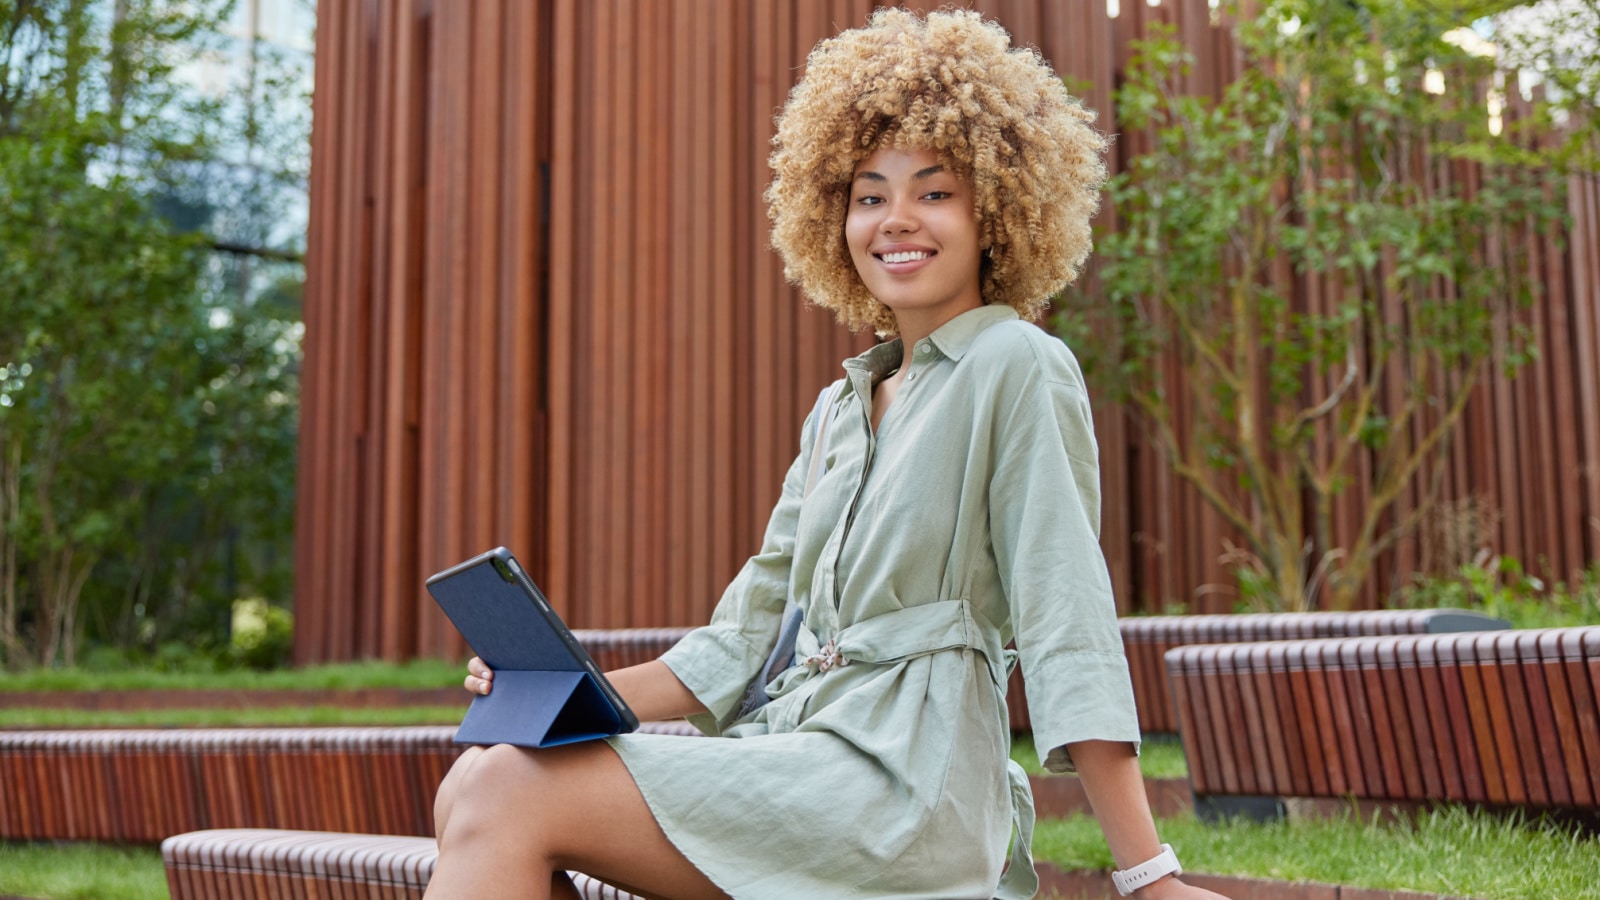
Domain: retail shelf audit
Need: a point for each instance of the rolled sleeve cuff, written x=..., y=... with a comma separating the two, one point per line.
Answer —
x=1085, y=696
x=715, y=663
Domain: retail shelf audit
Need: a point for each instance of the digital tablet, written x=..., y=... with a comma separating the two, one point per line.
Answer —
x=547, y=691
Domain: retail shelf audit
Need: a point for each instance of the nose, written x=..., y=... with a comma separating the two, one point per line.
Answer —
x=899, y=218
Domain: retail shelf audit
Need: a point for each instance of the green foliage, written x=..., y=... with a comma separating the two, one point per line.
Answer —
x=81, y=872
x=1553, y=44
x=263, y=634
x=1302, y=288
x=120, y=670
x=1500, y=588
x=1449, y=851
x=148, y=402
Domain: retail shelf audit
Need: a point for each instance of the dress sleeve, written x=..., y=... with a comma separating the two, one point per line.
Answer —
x=717, y=661
x=1045, y=523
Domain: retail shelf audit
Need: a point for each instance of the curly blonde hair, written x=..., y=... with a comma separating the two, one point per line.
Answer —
x=950, y=83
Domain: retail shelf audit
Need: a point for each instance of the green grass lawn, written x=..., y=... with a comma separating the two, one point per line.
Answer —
x=1161, y=756
x=1450, y=851
x=81, y=872
x=417, y=674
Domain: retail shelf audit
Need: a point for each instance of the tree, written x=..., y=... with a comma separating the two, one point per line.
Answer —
x=146, y=424
x=1555, y=46
x=1295, y=266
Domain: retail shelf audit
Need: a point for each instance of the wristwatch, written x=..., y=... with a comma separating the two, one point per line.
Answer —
x=1131, y=879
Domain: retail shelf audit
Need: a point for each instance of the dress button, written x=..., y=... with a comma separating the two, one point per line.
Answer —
x=912, y=376
x=923, y=348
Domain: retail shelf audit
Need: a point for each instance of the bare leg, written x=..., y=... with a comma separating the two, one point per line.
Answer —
x=445, y=798
x=510, y=819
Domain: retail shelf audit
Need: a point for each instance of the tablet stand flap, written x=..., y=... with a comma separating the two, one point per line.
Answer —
x=587, y=715
x=525, y=707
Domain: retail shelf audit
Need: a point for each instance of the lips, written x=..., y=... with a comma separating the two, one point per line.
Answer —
x=902, y=260
x=905, y=256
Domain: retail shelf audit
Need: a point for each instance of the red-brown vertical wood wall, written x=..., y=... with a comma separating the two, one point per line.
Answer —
x=541, y=312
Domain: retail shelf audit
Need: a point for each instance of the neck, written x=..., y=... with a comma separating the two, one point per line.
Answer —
x=916, y=325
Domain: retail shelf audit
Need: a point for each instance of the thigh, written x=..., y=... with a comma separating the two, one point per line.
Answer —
x=579, y=807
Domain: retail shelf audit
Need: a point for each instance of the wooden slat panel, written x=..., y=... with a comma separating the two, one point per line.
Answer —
x=610, y=377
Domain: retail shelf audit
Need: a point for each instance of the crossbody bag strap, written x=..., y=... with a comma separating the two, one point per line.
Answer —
x=782, y=655
x=819, y=443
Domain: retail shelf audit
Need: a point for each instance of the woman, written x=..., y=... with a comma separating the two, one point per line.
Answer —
x=936, y=185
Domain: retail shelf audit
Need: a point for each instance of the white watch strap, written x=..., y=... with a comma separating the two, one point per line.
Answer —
x=1131, y=879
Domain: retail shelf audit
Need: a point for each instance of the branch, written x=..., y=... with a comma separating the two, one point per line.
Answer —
x=1277, y=496
x=1367, y=399
x=1196, y=476
x=1202, y=347
x=1332, y=402
x=260, y=252
x=1395, y=479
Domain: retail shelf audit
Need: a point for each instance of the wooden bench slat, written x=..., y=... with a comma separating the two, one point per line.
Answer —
x=1430, y=763
x=1367, y=686
x=1295, y=773
x=1345, y=720
x=273, y=864
x=1191, y=730
x=1543, y=761
x=1266, y=696
x=1310, y=710
x=1508, y=718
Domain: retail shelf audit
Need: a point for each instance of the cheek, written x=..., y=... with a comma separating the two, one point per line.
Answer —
x=857, y=235
x=854, y=229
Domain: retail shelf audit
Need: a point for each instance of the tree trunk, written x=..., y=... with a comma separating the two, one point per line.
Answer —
x=10, y=503
x=65, y=572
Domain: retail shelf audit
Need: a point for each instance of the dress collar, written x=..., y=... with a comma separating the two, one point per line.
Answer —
x=953, y=339
x=955, y=336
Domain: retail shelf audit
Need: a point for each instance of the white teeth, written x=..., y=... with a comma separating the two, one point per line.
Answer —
x=906, y=256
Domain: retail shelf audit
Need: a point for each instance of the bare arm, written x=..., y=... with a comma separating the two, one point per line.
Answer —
x=654, y=692
x=1110, y=774
x=650, y=689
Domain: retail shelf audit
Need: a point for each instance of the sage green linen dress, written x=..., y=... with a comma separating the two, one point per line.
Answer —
x=970, y=516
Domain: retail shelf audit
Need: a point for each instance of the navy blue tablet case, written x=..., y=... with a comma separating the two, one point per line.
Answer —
x=546, y=690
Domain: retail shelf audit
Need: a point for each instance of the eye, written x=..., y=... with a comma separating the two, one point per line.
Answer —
x=869, y=200
x=937, y=195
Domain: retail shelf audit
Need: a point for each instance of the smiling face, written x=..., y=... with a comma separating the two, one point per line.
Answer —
x=913, y=237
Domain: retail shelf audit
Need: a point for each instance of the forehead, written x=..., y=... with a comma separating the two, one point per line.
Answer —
x=887, y=160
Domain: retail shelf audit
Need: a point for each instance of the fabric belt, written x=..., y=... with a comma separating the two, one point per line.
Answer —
x=924, y=630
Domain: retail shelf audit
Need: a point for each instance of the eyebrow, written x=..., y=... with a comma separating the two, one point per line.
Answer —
x=924, y=173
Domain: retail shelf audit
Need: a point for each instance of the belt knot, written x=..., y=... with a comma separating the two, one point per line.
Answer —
x=827, y=657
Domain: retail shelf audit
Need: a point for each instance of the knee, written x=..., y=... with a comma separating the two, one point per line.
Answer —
x=486, y=792
x=444, y=799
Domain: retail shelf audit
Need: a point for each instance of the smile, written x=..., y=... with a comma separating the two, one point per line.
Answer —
x=905, y=256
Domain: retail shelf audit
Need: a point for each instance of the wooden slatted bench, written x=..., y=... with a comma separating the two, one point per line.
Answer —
x=140, y=786
x=1501, y=718
x=1147, y=639
x=261, y=864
